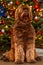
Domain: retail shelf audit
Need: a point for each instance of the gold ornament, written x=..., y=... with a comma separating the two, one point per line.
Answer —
x=41, y=9
x=8, y=16
x=40, y=13
x=40, y=38
x=6, y=26
x=9, y=6
x=14, y=7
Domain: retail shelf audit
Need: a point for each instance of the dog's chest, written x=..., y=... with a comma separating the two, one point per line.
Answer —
x=24, y=33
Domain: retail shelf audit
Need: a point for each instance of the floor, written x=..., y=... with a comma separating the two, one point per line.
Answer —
x=12, y=63
x=40, y=51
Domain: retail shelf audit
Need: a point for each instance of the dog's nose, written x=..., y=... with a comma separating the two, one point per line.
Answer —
x=26, y=14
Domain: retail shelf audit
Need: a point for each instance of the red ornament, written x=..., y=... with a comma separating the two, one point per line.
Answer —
x=36, y=6
x=34, y=0
x=2, y=22
x=11, y=10
x=36, y=19
x=4, y=3
x=38, y=9
x=39, y=32
x=1, y=33
x=17, y=3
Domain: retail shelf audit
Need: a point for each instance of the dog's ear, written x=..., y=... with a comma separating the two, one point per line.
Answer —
x=17, y=11
x=30, y=13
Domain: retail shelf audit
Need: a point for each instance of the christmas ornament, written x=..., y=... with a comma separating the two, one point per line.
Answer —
x=2, y=30
x=8, y=16
x=6, y=26
x=40, y=13
x=40, y=38
x=4, y=3
x=38, y=9
x=11, y=2
x=34, y=0
x=14, y=8
x=17, y=3
x=8, y=4
x=39, y=32
x=2, y=22
x=2, y=11
x=42, y=16
x=11, y=10
x=36, y=18
x=41, y=9
x=36, y=6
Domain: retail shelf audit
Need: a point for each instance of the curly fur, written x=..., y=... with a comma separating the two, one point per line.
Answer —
x=23, y=37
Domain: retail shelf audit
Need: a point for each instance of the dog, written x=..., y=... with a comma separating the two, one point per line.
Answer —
x=22, y=37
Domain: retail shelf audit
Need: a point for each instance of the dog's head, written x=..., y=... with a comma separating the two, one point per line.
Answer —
x=23, y=13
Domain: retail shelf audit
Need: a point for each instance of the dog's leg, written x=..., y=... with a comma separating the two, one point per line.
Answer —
x=30, y=53
x=9, y=55
x=19, y=54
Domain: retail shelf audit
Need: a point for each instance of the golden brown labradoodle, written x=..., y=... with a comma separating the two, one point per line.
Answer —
x=23, y=37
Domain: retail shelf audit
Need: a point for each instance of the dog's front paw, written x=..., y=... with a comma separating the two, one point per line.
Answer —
x=38, y=58
x=4, y=58
x=19, y=62
x=33, y=61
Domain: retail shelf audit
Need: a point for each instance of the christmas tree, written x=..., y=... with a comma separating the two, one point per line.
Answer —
x=7, y=20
